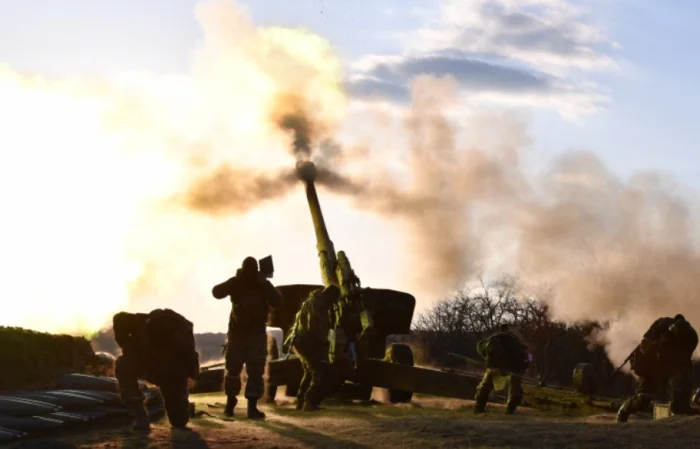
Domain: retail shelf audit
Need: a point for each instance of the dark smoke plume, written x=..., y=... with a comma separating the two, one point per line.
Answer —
x=290, y=114
x=228, y=190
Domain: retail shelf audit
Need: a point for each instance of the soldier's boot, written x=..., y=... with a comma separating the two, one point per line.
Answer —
x=481, y=398
x=300, y=404
x=623, y=415
x=253, y=412
x=310, y=407
x=141, y=419
x=632, y=405
x=231, y=402
x=696, y=397
x=512, y=405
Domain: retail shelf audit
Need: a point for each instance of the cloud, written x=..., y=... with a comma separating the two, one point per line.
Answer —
x=530, y=52
x=473, y=74
x=550, y=34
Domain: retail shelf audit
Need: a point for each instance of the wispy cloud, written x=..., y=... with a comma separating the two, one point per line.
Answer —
x=534, y=52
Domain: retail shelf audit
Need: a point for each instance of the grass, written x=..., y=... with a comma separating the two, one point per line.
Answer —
x=425, y=423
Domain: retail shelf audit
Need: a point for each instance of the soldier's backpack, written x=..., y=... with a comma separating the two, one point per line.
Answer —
x=505, y=351
x=311, y=315
x=171, y=338
x=683, y=336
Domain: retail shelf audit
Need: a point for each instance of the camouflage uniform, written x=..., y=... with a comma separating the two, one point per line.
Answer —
x=151, y=352
x=311, y=327
x=251, y=296
x=663, y=357
x=506, y=359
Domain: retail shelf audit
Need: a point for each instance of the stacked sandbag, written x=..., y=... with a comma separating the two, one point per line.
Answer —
x=79, y=399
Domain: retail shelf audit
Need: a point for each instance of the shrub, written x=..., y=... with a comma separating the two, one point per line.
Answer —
x=35, y=360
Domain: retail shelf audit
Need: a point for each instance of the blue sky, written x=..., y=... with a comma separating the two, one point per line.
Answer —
x=649, y=122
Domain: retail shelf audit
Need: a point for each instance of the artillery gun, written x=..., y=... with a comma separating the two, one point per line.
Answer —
x=365, y=317
x=374, y=315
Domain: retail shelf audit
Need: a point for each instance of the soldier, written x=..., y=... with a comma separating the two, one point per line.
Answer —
x=506, y=360
x=309, y=337
x=663, y=355
x=158, y=347
x=251, y=297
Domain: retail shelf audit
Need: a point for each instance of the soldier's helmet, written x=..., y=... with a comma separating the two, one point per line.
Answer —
x=250, y=264
x=106, y=357
x=481, y=347
x=681, y=330
x=331, y=292
x=105, y=363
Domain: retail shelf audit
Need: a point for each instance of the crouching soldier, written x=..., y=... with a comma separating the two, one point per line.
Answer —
x=506, y=360
x=251, y=295
x=309, y=337
x=663, y=357
x=157, y=347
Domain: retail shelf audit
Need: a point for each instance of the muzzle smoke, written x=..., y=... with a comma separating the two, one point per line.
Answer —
x=614, y=250
x=141, y=153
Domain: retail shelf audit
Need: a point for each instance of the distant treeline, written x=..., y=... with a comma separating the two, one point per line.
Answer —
x=455, y=324
x=32, y=360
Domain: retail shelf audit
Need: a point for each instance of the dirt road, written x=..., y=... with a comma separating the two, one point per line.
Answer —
x=426, y=423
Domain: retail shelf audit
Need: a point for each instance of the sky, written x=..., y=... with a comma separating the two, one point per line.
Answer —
x=648, y=83
x=616, y=78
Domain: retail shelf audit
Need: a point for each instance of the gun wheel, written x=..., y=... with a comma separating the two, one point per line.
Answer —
x=584, y=379
x=403, y=355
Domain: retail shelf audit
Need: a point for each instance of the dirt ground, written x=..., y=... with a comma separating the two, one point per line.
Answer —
x=425, y=423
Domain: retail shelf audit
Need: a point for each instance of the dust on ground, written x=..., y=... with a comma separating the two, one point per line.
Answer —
x=425, y=423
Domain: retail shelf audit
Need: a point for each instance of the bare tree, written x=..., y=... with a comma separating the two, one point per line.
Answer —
x=455, y=325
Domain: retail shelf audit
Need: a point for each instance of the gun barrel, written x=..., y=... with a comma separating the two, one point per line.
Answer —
x=324, y=245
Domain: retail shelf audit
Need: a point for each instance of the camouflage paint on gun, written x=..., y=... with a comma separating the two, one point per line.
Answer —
x=336, y=269
x=324, y=245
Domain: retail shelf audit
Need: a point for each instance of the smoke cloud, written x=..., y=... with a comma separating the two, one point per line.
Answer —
x=609, y=249
x=229, y=190
x=622, y=251
x=123, y=190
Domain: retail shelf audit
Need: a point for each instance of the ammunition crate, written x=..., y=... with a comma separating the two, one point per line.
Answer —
x=662, y=410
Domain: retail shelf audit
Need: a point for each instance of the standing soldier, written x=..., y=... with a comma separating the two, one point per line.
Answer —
x=506, y=361
x=663, y=355
x=251, y=297
x=158, y=347
x=309, y=337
